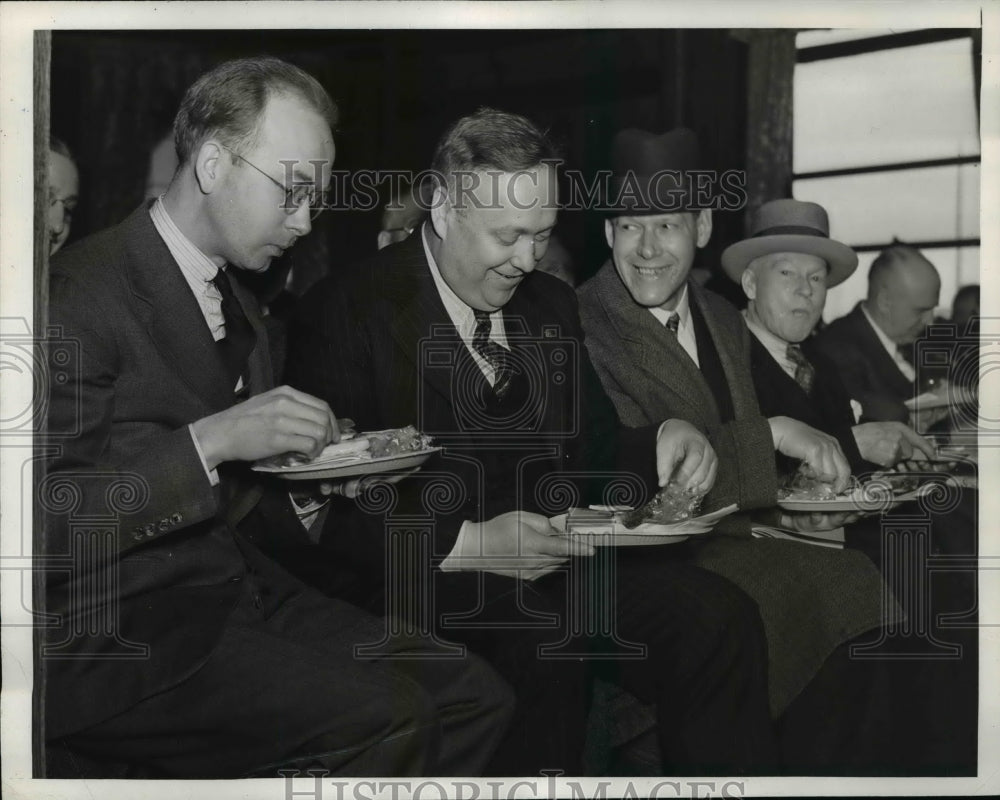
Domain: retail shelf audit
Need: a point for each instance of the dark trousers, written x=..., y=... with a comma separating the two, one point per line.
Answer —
x=285, y=690
x=678, y=637
x=907, y=703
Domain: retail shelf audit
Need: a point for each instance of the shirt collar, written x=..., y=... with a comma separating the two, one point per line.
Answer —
x=460, y=312
x=887, y=343
x=192, y=261
x=682, y=309
x=775, y=345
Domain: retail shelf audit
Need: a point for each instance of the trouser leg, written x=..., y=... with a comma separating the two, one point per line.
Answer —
x=287, y=692
x=706, y=664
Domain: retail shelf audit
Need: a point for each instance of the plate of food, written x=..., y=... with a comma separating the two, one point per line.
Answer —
x=670, y=517
x=371, y=453
x=881, y=493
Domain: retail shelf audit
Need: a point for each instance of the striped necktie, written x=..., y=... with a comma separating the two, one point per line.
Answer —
x=805, y=373
x=496, y=356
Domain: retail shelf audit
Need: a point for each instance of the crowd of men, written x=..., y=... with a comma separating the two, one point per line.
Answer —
x=430, y=623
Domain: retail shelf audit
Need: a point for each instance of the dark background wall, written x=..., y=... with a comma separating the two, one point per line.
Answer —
x=114, y=95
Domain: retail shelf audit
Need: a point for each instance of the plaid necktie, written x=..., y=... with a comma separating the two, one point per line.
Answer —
x=805, y=372
x=672, y=322
x=240, y=337
x=496, y=356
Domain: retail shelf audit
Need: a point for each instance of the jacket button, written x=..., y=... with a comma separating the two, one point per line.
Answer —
x=235, y=579
x=137, y=534
x=164, y=524
x=176, y=519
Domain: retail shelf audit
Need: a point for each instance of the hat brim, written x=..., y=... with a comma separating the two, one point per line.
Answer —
x=841, y=259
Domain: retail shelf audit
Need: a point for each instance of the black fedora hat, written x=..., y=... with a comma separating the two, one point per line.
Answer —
x=651, y=173
x=791, y=226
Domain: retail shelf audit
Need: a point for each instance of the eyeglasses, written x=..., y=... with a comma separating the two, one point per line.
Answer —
x=298, y=195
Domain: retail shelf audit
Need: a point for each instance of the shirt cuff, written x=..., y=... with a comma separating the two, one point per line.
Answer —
x=466, y=541
x=213, y=474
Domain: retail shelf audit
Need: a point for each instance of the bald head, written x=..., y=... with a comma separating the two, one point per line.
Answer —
x=903, y=291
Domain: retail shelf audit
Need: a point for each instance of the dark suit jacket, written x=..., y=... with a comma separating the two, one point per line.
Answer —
x=378, y=345
x=827, y=407
x=811, y=599
x=165, y=580
x=866, y=369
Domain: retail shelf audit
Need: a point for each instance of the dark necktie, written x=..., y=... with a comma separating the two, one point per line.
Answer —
x=496, y=356
x=240, y=337
x=672, y=322
x=805, y=372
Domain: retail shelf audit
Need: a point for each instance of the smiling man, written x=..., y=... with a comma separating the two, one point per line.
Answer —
x=457, y=331
x=665, y=347
x=206, y=659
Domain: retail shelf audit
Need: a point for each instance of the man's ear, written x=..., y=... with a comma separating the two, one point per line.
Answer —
x=748, y=280
x=704, y=226
x=208, y=166
x=441, y=211
x=609, y=232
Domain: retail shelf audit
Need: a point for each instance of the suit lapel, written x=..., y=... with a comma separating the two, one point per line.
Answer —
x=663, y=365
x=419, y=319
x=884, y=362
x=171, y=313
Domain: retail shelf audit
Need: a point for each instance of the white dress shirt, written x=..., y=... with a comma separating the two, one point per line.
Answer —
x=463, y=317
x=685, y=325
x=776, y=346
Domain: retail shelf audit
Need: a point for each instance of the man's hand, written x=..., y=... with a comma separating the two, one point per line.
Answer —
x=817, y=449
x=283, y=420
x=684, y=455
x=888, y=443
x=517, y=544
x=807, y=521
x=926, y=418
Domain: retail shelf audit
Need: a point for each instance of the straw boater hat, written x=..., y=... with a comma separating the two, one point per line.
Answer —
x=649, y=172
x=791, y=226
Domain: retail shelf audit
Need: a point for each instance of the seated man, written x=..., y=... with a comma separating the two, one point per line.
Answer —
x=870, y=346
x=665, y=347
x=456, y=331
x=785, y=277
x=182, y=648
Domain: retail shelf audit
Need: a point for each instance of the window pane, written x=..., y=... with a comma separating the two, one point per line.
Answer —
x=956, y=266
x=939, y=203
x=904, y=104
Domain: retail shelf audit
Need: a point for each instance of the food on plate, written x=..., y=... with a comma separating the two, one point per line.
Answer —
x=363, y=447
x=898, y=482
x=671, y=504
x=397, y=441
x=806, y=485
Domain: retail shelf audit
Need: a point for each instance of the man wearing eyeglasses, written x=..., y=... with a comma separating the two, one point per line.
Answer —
x=215, y=662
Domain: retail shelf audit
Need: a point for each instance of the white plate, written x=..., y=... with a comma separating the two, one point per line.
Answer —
x=599, y=527
x=350, y=466
x=861, y=499
x=952, y=396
